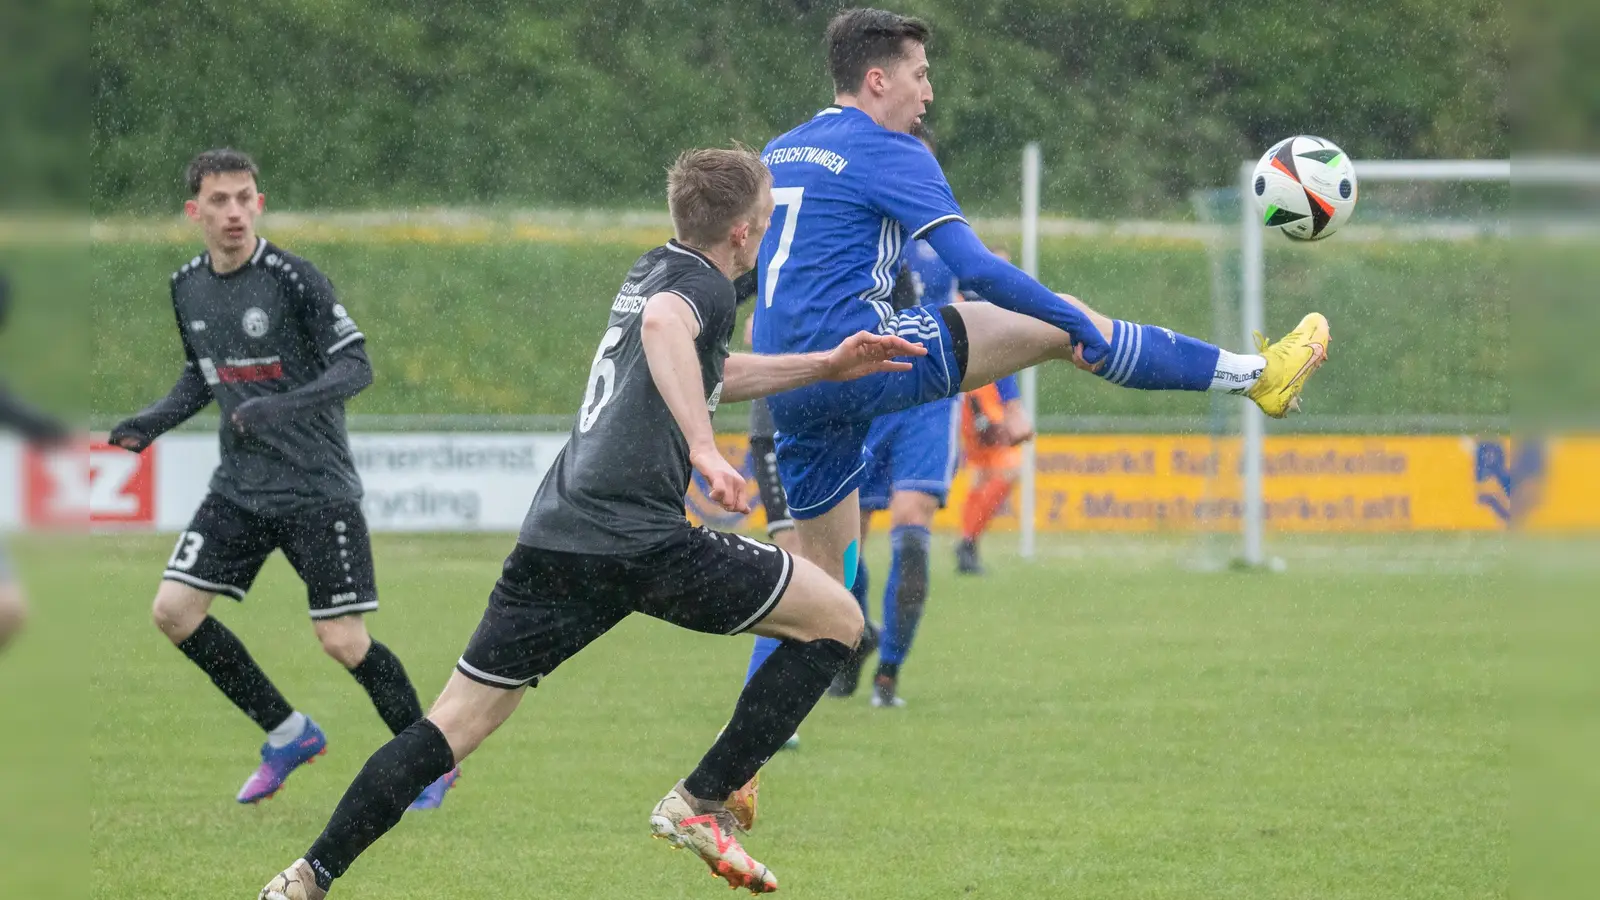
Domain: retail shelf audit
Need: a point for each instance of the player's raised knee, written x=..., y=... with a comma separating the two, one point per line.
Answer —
x=843, y=621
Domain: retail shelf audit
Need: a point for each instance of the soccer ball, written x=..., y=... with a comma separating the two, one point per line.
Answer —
x=1305, y=187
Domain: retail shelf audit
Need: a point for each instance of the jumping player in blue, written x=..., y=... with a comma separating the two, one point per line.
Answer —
x=852, y=187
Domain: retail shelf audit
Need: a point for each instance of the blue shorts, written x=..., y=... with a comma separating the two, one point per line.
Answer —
x=822, y=428
x=916, y=449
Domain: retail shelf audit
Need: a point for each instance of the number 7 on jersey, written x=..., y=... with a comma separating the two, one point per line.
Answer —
x=787, y=199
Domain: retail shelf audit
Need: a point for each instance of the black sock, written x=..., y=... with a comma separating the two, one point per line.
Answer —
x=889, y=670
x=375, y=801
x=775, y=700
x=222, y=656
x=385, y=681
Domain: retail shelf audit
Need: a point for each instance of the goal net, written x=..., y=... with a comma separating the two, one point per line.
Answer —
x=1418, y=291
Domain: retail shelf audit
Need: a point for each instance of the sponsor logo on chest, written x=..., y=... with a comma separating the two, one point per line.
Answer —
x=255, y=322
x=235, y=371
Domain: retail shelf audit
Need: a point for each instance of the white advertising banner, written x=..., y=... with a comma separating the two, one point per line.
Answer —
x=451, y=482
x=414, y=482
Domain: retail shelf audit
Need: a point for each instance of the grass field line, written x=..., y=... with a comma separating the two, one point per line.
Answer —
x=478, y=226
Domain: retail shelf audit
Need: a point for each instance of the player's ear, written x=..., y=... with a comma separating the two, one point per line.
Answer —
x=192, y=210
x=874, y=80
x=261, y=201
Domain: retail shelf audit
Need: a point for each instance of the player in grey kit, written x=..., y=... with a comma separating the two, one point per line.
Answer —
x=606, y=536
x=266, y=338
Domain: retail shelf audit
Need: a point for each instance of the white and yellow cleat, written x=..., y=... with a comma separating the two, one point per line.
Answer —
x=1290, y=363
x=294, y=883
x=710, y=831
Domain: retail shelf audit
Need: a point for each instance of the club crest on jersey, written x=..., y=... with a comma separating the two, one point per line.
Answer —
x=255, y=322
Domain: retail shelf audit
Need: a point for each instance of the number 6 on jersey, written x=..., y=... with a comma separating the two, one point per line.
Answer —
x=602, y=376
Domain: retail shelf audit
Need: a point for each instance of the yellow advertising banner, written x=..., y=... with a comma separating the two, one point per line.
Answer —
x=1148, y=483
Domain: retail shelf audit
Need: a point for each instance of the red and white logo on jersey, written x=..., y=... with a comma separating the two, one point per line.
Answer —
x=83, y=485
x=265, y=368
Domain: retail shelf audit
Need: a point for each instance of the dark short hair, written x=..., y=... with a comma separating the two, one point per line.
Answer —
x=920, y=131
x=709, y=190
x=862, y=39
x=215, y=162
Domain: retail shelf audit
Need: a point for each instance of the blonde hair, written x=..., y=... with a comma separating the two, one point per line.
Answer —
x=709, y=190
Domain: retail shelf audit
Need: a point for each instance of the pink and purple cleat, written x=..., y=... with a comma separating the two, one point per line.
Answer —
x=278, y=762
x=432, y=796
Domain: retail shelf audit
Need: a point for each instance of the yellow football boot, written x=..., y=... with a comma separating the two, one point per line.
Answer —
x=1290, y=363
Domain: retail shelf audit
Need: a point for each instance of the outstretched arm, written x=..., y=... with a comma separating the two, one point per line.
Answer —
x=747, y=376
x=1006, y=286
x=188, y=396
x=349, y=373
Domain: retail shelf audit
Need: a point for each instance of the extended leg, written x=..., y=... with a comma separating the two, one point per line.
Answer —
x=817, y=622
x=464, y=715
x=1148, y=357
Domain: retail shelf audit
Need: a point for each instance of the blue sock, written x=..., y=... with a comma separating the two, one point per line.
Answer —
x=1152, y=358
x=905, y=592
x=763, y=649
x=859, y=586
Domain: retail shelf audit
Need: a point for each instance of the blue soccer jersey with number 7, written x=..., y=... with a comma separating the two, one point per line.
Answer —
x=849, y=195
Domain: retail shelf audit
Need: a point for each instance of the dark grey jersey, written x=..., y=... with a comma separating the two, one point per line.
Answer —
x=267, y=327
x=761, y=424
x=619, y=484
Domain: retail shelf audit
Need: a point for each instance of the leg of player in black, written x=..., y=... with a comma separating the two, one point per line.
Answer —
x=182, y=613
x=818, y=624
x=331, y=549
x=220, y=552
x=537, y=618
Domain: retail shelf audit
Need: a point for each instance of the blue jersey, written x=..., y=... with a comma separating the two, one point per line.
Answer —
x=849, y=193
x=936, y=284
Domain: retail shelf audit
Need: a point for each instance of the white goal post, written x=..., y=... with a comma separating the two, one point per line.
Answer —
x=1252, y=553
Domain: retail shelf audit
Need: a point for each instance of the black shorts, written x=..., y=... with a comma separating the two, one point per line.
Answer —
x=548, y=605
x=225, y=546
x=764, y=459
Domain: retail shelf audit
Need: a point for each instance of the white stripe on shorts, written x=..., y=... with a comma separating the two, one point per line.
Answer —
x=476, y=672
x=185, y=578
x=344, y=610
x=777, y=592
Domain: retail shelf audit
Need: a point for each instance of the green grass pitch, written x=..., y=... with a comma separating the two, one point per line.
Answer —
x=1095, y=724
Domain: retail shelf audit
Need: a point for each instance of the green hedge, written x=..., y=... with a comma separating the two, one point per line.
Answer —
x=511, y=328
x=362, y=103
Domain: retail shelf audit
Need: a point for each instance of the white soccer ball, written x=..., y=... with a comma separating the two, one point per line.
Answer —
x=1305, y=187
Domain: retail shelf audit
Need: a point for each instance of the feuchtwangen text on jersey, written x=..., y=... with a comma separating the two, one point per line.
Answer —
x=848, y=196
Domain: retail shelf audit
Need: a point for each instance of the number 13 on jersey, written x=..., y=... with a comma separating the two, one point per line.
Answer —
x=787, y=199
